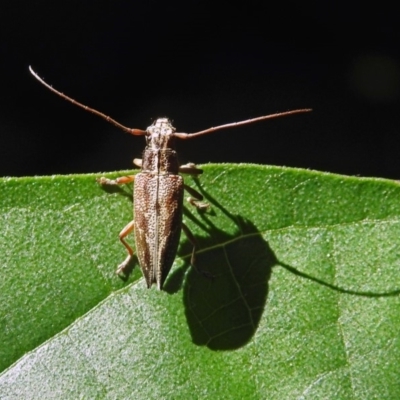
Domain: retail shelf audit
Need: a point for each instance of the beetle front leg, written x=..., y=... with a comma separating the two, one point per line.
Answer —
x=137, y=162
x=190, y=169
x=122, y=235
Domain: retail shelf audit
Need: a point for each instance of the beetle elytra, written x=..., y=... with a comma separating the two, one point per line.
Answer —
x=158, y=193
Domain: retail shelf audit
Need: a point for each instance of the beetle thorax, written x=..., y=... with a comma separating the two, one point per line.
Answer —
x=160, y=135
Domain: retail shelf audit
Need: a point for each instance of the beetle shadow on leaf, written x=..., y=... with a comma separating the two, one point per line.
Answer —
x=224, y=311
x=339, y=289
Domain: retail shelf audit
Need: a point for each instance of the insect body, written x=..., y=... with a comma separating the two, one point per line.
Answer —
x=158, y=193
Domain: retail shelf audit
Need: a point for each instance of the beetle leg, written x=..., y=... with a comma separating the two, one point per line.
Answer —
x=190, y=169
x=137, y=162
x=122, y=235
x=192, y=240
x=195, y=198
x=119, y=181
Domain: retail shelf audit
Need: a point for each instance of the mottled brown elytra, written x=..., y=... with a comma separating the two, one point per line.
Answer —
x=158, y=193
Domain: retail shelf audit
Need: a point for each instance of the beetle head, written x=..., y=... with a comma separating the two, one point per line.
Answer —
x=160, y=134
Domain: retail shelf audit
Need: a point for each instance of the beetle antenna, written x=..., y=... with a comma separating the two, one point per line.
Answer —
x=240, y=123
x=86, y=108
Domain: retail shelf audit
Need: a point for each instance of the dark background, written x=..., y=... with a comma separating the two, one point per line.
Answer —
x=201, y=63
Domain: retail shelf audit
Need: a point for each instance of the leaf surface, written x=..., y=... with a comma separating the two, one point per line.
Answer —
x=303, y=301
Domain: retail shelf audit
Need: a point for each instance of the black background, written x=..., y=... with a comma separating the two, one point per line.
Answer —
x=201, y=63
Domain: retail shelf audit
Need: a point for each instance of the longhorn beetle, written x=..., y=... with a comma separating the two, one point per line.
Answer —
x=158, y=193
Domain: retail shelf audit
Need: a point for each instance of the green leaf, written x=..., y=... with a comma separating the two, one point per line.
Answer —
x=303, y=303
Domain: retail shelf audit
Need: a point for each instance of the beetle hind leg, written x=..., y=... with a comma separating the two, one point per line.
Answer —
x=123, y=268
